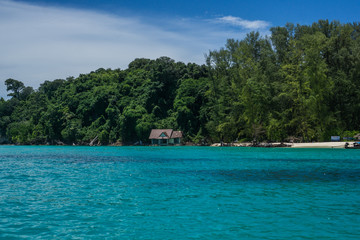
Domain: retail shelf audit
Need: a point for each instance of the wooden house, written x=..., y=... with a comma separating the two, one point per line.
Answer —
x=165, y=137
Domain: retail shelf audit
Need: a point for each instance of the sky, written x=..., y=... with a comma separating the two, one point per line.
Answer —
x=54, y=39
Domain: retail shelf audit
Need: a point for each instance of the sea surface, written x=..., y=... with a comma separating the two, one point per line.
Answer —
x=57, y=192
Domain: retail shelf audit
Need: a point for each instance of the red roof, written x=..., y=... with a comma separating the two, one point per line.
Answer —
x=176, y=134
x=164, y=134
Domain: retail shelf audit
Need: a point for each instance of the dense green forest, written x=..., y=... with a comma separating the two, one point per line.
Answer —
x=301, y=82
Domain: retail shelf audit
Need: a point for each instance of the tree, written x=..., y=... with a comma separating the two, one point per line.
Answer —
x=15, y=86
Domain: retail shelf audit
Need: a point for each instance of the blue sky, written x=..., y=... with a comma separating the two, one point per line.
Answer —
x=45, y=40
x=278, y=12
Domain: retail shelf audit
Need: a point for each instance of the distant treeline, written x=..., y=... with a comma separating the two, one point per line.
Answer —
x=302, y=82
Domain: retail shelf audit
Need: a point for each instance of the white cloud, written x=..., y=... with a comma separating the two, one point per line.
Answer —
x=236, y=21
x=40, y=43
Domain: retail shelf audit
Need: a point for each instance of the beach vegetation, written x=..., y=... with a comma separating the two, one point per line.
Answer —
x=300, y=82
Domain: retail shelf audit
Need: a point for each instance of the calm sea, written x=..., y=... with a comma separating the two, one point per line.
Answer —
x=178, y=193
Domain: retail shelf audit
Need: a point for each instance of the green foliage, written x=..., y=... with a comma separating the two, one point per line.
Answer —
x=20, y=132
x=301, y=82
x=15, y=86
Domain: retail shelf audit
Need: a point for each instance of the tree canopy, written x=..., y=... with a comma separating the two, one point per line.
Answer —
x=299, y=82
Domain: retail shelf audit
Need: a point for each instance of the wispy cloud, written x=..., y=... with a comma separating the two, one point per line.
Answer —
x=40, y=43
x=239, y=22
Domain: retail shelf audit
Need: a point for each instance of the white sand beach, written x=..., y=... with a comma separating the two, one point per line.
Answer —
x=296, y=145
x=319, y=145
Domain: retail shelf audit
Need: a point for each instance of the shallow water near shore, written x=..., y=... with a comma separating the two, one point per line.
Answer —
x=65, y=192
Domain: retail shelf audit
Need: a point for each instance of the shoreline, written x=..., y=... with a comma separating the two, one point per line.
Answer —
x=245, y=144
x=291, y=145
x=320, y=145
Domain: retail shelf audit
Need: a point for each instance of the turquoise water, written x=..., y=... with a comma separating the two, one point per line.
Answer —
x=178, y=193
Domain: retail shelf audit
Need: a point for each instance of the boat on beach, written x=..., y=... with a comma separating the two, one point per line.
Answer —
x=355, y=145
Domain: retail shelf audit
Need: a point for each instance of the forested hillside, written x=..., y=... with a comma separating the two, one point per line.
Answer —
x=302, y=82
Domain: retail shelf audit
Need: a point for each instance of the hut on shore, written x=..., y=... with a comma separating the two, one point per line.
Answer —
x=164, y=137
